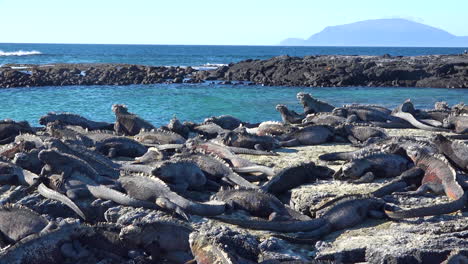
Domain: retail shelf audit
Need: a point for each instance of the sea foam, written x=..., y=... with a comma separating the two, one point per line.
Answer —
x=19, y=53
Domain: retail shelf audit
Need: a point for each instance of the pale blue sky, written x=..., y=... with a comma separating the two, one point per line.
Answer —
x=237, y=22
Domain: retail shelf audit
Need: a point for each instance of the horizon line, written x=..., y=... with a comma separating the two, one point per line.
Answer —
x=229, y=45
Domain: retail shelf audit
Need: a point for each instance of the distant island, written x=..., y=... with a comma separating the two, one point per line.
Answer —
x=381, y=32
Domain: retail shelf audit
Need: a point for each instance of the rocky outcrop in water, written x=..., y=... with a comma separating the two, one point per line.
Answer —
x=444, y=71
x=438, y=71
x=89, y=74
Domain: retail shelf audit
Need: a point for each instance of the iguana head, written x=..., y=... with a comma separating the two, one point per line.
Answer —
x=119, y=109
x=47, y=155
x=303, y=97
x=440, y=139
x=353, y=169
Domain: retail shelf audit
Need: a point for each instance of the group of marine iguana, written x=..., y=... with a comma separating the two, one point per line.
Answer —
x=177, y=176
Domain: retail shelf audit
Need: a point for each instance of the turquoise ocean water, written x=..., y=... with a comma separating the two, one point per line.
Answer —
x=158, y=103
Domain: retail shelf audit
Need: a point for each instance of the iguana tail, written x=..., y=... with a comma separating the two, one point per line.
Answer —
x=54, y=195
x=279, y=226
x=437, y=209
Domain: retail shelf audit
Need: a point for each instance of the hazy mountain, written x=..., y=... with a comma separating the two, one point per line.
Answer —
x=381, y=32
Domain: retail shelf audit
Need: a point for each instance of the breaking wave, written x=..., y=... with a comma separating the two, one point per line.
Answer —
x=19, y=53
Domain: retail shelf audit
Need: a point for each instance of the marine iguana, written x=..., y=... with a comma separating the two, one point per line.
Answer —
x=9, y=173
x=239, y=164
x=103, y=165
x=366, y=113
x=312, y=105
x=246, y=140
x=223, y=246
x=150, y=188
x=455, y=151
x=416, y=123
x=327, y=119
x=344, y=214
x=45, y=247
x=255, y=202
x=439, y=175
x=162, y=239
x=311, y=135
x=457, y=122
x=394, y=212
x=294, y=176
x=159, y=136
x=384, y=145
x=18, y=222
x=114, y=146
x=272, y=128
x=180, y=173
x=289, y=116
x=68, y=135
x=216, y=169
x=151, y=157
x=360, y=134
x=65, y=165
x=209, y=130
x=29, y=160
x=127, y=123
x=224, y=121
x=177, y=127
x=74, y=120
x=9, y=129
x=373, y=164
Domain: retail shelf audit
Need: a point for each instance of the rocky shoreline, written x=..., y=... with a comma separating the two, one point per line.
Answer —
x=13, y=75
x=437, y=71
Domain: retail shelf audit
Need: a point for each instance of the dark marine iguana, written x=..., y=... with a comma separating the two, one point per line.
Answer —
x=209, y=130
x=224, y=246
x=73, y=176
x=127, y=123
x=374, y=164
x=455, y=151
x=180, y=174
x=345, y=213
x=11, y=174
x=74, y=120
x=326, y=118
x=255, y=202
x=312, y=105
x=113, y=146
x=159, y=136
x=311, y=135
x=365, y=113
x=381, y=145
x=240, y=164
x=294, y=176
x=224, y=121
x=289, y=116
x=18, y=222
x=177, y=127
x=9, y=129
x=103, y=165
x=360, y=134
x=216, y=169
x=45, y=247
x=246, y=140
x=149, y=188
x=162, y=239
x=394, y=212
x=457, y=122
